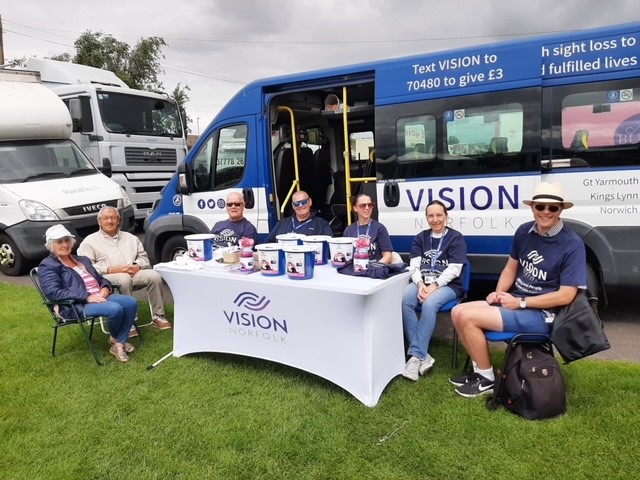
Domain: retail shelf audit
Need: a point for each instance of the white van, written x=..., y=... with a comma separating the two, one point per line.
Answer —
x=45, y=179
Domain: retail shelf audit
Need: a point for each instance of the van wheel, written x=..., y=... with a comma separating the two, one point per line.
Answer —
x=12, y=262
x=175, y=246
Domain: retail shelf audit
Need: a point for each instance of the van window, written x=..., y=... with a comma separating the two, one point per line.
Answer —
x=220, y=163
x=25, y=161
x=485, y=130
x=593, y=120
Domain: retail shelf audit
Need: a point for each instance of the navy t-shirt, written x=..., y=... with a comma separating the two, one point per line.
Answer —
x=438, y=253
x=378, y=235
x=546, y=263
x=226, y=231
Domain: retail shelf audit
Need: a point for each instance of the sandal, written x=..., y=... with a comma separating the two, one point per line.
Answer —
x=128, y=348
x=117, y=350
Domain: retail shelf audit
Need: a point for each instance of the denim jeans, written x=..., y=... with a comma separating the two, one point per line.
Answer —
x=418, y=331
x=120, y=310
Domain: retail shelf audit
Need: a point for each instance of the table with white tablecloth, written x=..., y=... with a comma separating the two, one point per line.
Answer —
x=345, y=329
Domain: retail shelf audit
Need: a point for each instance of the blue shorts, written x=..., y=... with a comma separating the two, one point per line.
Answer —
x=527, y=320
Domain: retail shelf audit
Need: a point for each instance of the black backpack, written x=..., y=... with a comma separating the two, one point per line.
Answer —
x=531, y=384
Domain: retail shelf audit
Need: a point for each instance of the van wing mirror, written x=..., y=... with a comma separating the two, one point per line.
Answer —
x=185, y=179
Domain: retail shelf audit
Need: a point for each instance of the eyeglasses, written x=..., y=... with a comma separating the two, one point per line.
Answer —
x=234, y=204
x=365, y=205
x=60, y=241
x=552, y=208
x=300, y=203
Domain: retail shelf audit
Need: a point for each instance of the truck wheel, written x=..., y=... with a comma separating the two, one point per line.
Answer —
x=12, y=262
x=175, y=246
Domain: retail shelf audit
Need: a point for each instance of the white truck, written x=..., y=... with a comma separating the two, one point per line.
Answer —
x=45, y=179
x=136, y=134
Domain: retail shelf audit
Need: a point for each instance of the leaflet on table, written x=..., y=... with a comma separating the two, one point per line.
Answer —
x=221, y=266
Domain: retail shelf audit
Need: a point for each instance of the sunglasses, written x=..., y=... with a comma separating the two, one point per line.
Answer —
x=300, y=203
x=365, y=205
x=234, y=204
x=552, y=208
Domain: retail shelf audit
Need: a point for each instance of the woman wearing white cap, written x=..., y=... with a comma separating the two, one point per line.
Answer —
x=64, y=276
x=546, y=267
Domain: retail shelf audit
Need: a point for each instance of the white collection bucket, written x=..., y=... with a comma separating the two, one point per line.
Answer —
x=299, y=261
x=340, y=250
x=200, y=246
x=271, y=259
x=320, y=244
x=290, y=238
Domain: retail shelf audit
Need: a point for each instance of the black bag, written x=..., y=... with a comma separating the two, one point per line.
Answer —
x=531, y=384
x=577, y=330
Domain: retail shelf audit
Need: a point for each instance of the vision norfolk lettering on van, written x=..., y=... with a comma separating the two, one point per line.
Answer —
x=481, y=197
x=252, y=321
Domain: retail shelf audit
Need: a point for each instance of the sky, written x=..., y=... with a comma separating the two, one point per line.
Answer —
x=215, y=47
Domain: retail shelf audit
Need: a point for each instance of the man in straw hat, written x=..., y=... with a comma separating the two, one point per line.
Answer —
x=545, y=269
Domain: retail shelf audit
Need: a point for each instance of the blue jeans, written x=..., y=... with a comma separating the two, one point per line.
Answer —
x=418, y=331
x=120, y=310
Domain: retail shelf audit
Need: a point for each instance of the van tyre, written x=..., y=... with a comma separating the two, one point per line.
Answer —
x=12, y=262
x=175, y=246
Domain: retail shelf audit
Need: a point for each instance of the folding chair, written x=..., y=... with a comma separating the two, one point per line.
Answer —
x=447, y=307
x=59, y=321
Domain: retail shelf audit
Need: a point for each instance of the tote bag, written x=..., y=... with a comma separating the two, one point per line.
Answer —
x=577, y=330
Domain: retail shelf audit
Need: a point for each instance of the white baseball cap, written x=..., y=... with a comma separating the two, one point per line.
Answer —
x=56, y=232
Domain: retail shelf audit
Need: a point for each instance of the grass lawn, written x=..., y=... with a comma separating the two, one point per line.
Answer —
x=211, y=416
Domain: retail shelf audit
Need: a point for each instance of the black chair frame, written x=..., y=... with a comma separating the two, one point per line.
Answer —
x=59, y=322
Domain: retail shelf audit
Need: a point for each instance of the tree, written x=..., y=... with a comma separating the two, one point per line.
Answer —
x=181, y=97
x=138, y=67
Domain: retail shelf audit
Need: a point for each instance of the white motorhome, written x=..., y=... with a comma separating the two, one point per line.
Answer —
x=136, y=134
x=45, y=179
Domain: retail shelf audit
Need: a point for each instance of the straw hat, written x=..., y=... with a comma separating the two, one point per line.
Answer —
x=548, y=193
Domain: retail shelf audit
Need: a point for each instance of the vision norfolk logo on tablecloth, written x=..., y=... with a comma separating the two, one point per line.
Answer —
x=251, y=319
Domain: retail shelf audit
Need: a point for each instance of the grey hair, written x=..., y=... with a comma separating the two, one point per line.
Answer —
x=105, y=208
x=49, y=243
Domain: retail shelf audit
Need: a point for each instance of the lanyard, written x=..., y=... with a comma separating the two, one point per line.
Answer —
x=358, y=230
x=293, y=225
x=436, y=254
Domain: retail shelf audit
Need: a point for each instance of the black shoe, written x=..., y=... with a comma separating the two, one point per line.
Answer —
x=476, y=386
x=459, y=380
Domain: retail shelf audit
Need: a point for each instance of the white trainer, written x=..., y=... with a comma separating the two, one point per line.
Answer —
x=426, y=365
x=411, y=369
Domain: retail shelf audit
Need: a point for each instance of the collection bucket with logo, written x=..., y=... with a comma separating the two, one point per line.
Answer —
x=271, y=259
x=200, y=246
x=320, y=244
x=300, y=261
x=290, y=238
x=340, y=250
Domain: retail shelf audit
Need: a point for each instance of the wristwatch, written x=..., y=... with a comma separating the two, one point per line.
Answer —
x=523, y=302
